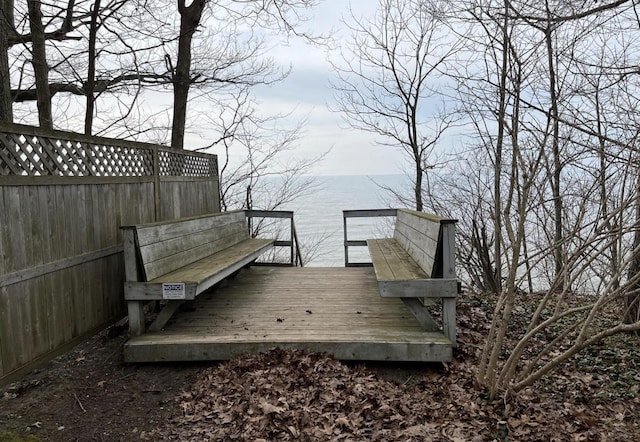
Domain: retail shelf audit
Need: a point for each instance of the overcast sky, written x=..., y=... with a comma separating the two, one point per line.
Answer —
x=307, y=91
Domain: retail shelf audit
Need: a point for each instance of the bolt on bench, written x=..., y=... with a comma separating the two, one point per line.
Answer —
x=176, y=260
x=416, y=264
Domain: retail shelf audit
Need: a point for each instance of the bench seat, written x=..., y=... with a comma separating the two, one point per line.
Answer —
x=176, y=260
x=418, y=263
x=202, y=274
x=399, y=276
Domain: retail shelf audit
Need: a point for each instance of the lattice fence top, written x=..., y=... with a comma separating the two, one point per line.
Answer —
x=175, y=163
x=39, y=155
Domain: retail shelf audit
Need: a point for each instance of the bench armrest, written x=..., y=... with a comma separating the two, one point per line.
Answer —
x=419, y=288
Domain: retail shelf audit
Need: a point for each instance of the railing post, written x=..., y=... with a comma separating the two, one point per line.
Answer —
x=346, y=245
x=292, y=243
x=373, y=213
x=292, y=227
x=448, y=230
x=135, y=309
x=295, y=238
x=156, y=184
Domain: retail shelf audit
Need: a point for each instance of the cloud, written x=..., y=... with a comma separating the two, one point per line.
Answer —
x=306, y=93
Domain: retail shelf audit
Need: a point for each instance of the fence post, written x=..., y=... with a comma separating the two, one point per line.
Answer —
x=156, y=185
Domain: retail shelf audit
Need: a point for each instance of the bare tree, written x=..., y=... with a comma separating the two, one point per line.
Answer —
x=284, y=15
x=6, y=23
x=39, y=63
x=529, y=113
x=36, y=36
x=254, y=151
x=386, y=77
x=257, y=170
x=90, y=84
x=190, y=17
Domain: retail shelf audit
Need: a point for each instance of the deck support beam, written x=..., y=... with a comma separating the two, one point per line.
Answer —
x=418, y=309
x=165, y=314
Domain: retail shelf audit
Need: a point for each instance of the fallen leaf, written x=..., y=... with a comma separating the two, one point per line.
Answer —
x=268, y=408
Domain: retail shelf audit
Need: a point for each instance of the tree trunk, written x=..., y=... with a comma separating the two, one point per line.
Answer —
x=557, y=165
x=6, y=23
x=632, y=299
x=90, y=85
x=189, y=20
x=487, y=371
x=40, y=67
x=418, y=187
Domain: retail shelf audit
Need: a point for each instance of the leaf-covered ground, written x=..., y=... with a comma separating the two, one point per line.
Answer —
x=90, y=394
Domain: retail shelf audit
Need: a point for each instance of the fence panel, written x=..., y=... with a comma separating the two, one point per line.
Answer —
x=63, y=198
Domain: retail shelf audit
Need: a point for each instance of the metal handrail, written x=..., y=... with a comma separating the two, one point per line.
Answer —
x=292, y=243
x=366, y=213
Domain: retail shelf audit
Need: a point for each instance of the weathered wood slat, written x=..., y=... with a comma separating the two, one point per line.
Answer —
x=19, y=314
x=399, y=276
x=46, y=204
x=164, y=230
x=202, y=274
x=14, y=231
x=38, y=317
x=5, y=322
x=29, y=211
x=190, y=350
x=161, y=266
x=34, y=272
x=391, y=262
x=4, y=234
x=419, y=288
x=429, y=216
x=381, y=266
x=200, y=270
x=290, y=326
x=6, y=330
x=449, y=318
x=390, y=336
x=419, y=237
x=146, y=291
x=365, y=213
x=55, y=180
x=161, y=257
x=448, y=250
x=61, y=330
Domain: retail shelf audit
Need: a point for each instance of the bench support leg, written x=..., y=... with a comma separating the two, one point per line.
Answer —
x=418, y=309
x=136, y=317
x=165, y=314
x=449, y=319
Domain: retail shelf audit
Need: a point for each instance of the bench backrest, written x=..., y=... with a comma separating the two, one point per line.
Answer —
x=167, y=246
x=429, y=240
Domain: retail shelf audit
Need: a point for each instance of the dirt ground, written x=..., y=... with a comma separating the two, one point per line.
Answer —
x=90, y=394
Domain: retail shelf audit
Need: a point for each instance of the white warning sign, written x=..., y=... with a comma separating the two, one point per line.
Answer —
x=173, y=290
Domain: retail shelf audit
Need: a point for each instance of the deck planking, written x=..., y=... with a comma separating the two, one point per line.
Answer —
x=332, y=310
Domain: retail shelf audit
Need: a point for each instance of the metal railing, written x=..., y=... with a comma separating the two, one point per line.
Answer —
x=292, y=243
x=346, y=214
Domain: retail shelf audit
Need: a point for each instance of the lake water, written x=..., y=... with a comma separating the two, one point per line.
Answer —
x=319, y=222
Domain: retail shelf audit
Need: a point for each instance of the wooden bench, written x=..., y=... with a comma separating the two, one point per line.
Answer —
x=177, y=260
x=418, y=264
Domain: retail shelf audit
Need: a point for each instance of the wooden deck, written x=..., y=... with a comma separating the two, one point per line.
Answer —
x=333, y=310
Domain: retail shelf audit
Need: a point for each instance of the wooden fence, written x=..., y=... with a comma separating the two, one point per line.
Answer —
x=63, y=197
